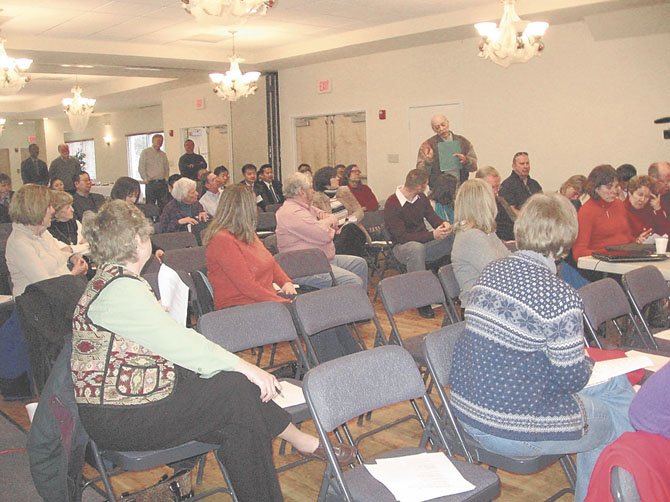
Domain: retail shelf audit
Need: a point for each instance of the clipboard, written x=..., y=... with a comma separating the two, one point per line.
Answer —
x=446, y=151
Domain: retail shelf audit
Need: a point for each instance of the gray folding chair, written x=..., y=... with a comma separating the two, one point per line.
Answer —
x=622, y=486
x=644, y=286
x=451, y=291
x=439, y=349
x=381, y=376
x=266, y=224
x=604, y=301
x=184, y=261
x=204, y=291
x=303, y=263
x=174, y=240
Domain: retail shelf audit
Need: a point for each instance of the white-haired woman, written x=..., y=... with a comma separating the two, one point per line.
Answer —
x=184, y=209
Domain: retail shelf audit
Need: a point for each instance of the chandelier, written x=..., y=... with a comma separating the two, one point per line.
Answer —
x=514, y=41
x=200, y=9
x=234, y=84
x=12, y=79
x=2, y=125
x=78, y=109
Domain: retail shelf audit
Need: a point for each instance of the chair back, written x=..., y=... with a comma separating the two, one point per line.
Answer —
x=152, y=279
x=267, y=222
x=272, y=208
x=439, y=350
x=452, y=290
x=645, y=285
x=151, y=211
x=204, y=291
x=186, y=259
x=622, y=485
x=174, y=240
x=381, y=376
x=604, y=300
x=410, y=291
x=304, y=262
x=374, y=224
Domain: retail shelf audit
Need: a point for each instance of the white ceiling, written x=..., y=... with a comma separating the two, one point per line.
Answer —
x=125, y=52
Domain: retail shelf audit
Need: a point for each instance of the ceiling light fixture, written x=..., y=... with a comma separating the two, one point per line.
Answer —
x=78, y=109
x=514, y=41
x=239, y=9
x=233, y=84
x=12, y=78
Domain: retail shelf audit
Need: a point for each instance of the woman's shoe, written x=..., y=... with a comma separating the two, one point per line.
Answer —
x=344, y=453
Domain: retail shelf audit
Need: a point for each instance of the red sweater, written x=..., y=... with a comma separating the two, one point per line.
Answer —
x=601, y=224
x=405, y=223
x=242, y=273
x=642, y=219
x=365, y=197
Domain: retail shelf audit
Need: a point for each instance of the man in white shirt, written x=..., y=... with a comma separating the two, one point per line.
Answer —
x=210, y=199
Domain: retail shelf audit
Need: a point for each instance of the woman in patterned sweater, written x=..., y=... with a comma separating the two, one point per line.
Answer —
x=520, y=370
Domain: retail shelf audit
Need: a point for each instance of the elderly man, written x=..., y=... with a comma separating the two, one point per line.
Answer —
x=506, y=214
x=660, y=171
x=429, y=152
x=210, y=199
x=191, y=163
x=154, y=169
x=64, y=167
x=519, y=186
x=300, y=225
x=268, y=187
x=83, y=199
x=404, y=214
x=33, y=169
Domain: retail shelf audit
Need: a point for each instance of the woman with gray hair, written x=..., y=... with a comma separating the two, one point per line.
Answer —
x=518, y=383
x=184, y=209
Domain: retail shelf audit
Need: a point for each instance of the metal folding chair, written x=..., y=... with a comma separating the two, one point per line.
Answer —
x=174, y=240
x=622, y=486
x=451, y=291
x=304, y=263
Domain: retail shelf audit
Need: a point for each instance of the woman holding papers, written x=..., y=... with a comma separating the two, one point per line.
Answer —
x=239, y=266
x=520, y=370
x=144, y=382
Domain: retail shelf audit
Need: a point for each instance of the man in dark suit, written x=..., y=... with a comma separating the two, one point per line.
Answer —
x=34, y=170
x=268, y=188
x=84, y=200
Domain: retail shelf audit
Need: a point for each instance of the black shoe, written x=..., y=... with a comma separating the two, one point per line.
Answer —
x=426, y=312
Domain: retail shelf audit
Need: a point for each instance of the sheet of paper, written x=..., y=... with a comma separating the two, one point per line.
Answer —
x=604, y=370
x=291, y=395
x=174, y=293
x=657, y=361
x=6, y=298
x=416, y=478
x=446, y=151
x=663, y=335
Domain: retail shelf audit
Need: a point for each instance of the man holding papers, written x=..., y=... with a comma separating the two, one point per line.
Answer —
x=446, y=152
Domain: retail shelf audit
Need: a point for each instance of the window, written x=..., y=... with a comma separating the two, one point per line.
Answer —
x=136, y=143
x=84, y=151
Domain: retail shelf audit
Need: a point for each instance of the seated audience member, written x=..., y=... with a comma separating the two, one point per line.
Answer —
x=212, y=195
x=339, y=172
x=268, y=187
x=183, y=210
x=506, y=213
x=204, y=392
x=239, y=266
x=475, y=243
x=442, y=197
x=305, y=168
x=127, y=189
x=520, y=369
x=65, y=228
x=57, y=184
x=573, y=189
x=603, y=220
x=660, y=172
x=644, y=207
x=519, y=185
x=249, y=173
x=84, y=200
x=404, y=214
x=300, y=225
x=650, y=410
x=624, y=173
x=363, y=193
x=223, y=175
x=6, y=194
x=338, y=201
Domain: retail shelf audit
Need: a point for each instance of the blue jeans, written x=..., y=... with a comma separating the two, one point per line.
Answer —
x=606, y=406
x=346, y=269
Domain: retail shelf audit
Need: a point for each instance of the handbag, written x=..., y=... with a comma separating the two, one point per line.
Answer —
x=169, y=488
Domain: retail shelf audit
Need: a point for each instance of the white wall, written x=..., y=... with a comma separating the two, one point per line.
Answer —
x=15, y=137
x=581, y=104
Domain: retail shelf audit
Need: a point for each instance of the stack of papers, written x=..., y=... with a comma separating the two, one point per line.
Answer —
x=416, y=478
x=604, y=370
x=174, y=293
x=657, y=361
x=291, y=395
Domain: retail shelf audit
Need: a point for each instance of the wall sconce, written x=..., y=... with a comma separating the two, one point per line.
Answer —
x=108, y=139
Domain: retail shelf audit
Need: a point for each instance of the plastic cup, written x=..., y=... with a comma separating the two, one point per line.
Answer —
x=30, y=408
x=661, y=245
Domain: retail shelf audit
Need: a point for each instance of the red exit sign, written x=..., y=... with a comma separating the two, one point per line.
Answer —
x=325, y=86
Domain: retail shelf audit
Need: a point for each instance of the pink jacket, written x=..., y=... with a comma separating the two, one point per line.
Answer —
x=299, y=227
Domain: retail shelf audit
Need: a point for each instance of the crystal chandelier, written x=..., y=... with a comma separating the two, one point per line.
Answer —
x=78, y=109
x=200, y=9
x=2, y=125
x=234, y=84
x=514, y=41
x=12, y=79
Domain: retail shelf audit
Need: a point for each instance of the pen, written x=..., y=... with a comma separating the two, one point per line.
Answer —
x=278, y=389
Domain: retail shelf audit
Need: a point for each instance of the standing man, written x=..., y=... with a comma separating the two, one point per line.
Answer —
x=190, y=163
x=267, y=187
x=519, y=186
x=33, y=169
x=429, y=151
x=404, y=215
x=83, y=199
x=154, y=169
x=64, y=168
x=660, y=172
x=506, y=214
x=210, y=199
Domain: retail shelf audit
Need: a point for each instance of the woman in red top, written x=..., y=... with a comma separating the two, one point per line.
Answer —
x=239, y=266
x=603, y=219
x=644, y=207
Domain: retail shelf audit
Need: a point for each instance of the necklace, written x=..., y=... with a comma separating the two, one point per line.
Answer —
x=64, y=231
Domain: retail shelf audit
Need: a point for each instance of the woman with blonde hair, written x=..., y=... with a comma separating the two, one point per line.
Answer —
x=475, y=243
x=239, y=266
x=65, y=228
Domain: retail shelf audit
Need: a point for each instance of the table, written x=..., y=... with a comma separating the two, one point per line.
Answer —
x=591, y=263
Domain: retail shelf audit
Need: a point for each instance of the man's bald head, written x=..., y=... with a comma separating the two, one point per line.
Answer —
x=440, y=125
x=660, y=172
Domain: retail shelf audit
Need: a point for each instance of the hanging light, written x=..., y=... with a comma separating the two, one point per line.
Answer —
x=2, y=125
x=514, y=41
x=78, y=109
x=239, y=9
x=12, y=79
x=234, y=84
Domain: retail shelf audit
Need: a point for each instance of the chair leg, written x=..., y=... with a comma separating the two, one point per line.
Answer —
x=100, y=465
x=226, y=477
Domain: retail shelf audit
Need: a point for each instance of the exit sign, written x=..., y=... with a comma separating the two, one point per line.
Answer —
x=324, y=86
x=200, y=103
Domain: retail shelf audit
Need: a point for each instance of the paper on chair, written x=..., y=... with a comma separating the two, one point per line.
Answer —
x=663, y=335
x=415, y=478
x=657, y=361
x=174, y=293
x=291, y=395
x=604, y=370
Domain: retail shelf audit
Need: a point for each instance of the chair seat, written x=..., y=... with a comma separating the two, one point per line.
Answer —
x=142, y=460
x=364, y=487
x=517, y=465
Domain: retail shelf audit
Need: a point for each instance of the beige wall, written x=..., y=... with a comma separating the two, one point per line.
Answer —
x=14, y=138
x=581, y=104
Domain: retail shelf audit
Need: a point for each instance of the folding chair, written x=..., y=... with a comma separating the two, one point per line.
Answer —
x=451, y=291
x=378, y=251
x=204, y=291
x=174, y=240
x=439, y=349
x=622, y=486
x=151, y=211
x=266, y=224
x=184, y=261
x=381, y=376
x=604, y=301
x=303, y=263
x=272, y=208
x=645, y=286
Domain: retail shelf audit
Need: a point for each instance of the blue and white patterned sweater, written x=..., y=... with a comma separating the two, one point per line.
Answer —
x=521, y=359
